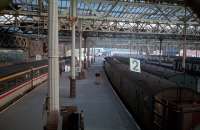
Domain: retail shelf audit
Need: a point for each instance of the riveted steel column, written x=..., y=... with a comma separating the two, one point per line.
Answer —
x=53, y=80
x=160, y=50
x=129, y=48
x=85, y=59
x=80, y=47
x=196, y=49
x=82, y=72
x=73, y=71
x=88, y=54
x=184, y=53
x=93, y=54
x=184, y=41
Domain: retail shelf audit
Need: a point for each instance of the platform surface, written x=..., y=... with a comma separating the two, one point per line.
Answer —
x=102, y=108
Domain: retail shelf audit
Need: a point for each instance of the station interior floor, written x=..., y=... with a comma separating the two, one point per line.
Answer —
x=102, y=108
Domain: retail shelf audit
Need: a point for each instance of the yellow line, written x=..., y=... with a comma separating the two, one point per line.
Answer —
x=14, y=75
x=20, y=73
x=40, y=67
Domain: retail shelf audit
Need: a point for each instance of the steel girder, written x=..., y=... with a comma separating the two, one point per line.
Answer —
x=107, y=17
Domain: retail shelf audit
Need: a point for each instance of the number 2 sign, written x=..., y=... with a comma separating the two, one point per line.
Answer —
x=135, y=65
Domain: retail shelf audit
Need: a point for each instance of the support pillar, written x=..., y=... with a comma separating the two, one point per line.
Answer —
x=147, y=50
x=184, y=53
x=179, y=50
x=184, y=42
x=129, y=49
x=53, y=71
x=80, y=50
x=88, y=55
x=196, y=49
x=91, y=61
x=94, y=55
x=160, y=50
x=85, y=59
x=73, y=71
x=53, y=80
x=82, y=72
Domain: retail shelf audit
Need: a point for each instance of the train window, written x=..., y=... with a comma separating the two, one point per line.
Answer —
x=37, y=72
x=188, y=67
x=198, y=68
x=27, y=76
x=1, y=89
x=194, y=67
x=22, y=78
x=42, y=71
x=19, y=80
x=33, y=74
x=6, y=86
x=13, y=82
x=179, y=66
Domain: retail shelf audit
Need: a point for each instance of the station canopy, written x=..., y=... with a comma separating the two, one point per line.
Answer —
x=106, y=18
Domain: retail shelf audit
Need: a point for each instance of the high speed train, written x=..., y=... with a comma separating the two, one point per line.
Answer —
x=17, y=79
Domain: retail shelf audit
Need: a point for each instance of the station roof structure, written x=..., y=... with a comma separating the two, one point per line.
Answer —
x=148, y=19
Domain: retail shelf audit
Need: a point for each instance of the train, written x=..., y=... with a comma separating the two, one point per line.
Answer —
x=155, y=103
x=192, y=64
x=182, y=79
x=18, y=79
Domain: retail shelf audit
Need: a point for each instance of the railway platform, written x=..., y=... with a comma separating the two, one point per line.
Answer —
x=102, y=108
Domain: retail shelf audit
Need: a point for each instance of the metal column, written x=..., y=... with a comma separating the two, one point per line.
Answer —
x=73, y=71
x=184, y=53
x=53, y=53
x=52, y=101
x=129, y=48
x=88, y=54
x=160, y=50
x=196, y=49
x=80, y=49
x=184, y=42
x=85, y=59
x=94, y=54
x=91, y=49
x=82, y=72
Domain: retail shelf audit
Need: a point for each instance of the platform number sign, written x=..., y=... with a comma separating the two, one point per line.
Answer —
x=135, y=65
